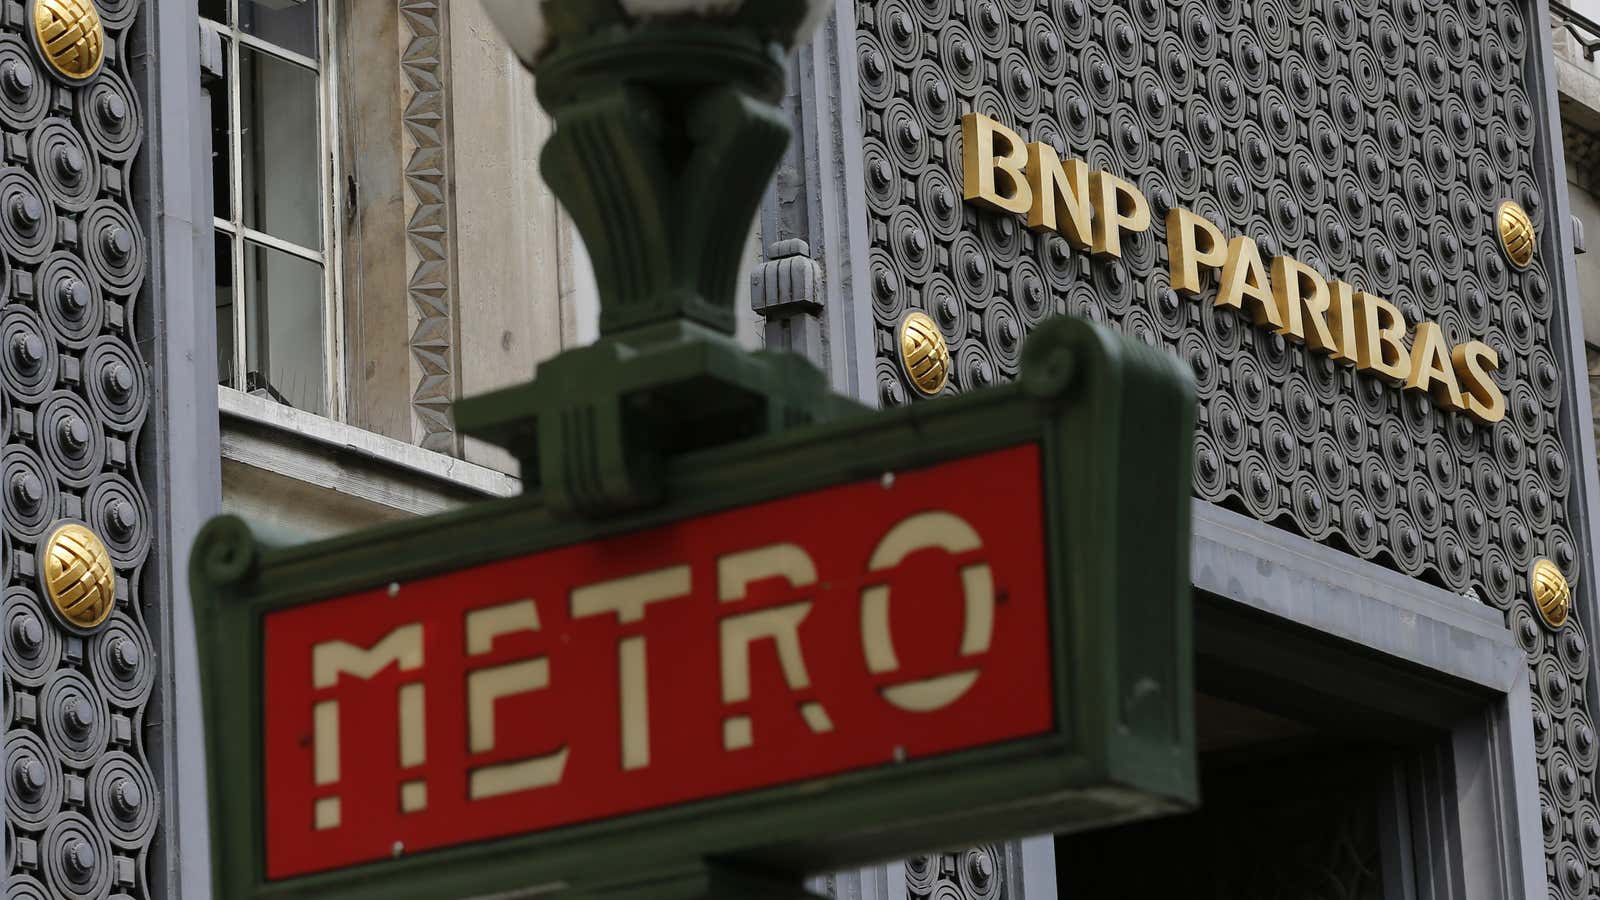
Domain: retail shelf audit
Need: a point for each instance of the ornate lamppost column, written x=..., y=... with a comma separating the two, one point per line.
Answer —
x=668, y=130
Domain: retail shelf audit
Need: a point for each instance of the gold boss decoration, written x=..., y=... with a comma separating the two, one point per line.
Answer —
x=1092, y=209
x=70, y=36
x=1552, y=596
x=924, y=354
x=77, y=574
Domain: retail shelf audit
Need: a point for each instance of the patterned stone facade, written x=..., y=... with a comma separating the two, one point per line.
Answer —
x=82, y=804
x=1372, y=139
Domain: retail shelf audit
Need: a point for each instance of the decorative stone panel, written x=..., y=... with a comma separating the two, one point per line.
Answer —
x=82, y=804
x=428, y=219
x=1371, y=139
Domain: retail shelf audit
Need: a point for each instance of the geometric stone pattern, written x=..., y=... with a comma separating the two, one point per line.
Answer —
x=427, y=201
x=1370, y=139
x=82, y=804
x=975, y=874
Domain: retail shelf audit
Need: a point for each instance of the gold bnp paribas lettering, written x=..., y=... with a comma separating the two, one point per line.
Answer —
x=1091, y=210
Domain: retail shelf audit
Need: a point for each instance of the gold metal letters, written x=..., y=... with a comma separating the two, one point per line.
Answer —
x=1093, y=209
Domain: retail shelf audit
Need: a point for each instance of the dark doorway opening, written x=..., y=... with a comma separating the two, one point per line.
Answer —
x=1320, y=765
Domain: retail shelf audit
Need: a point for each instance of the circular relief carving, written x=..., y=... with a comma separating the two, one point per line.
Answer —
x=1311, y=508
x=70, y=439
x=1151, y=16
x=1500, y=580
x=32, y=644
x=74, y=718
x=122, y=663
x=28, y=358
x=31, y=499
x=1182, y=165
x=872, y=67
x=1194, y=349
x=891, y=389
x=117, y=512
x=64, y=164
x=1359, y=525
x=27, y=222
x=1259, y=486
x=125, y=799
x=109, y=116
x=1175, y=66
x=913, y=248
x=1099, y=75
x=946, y=308
x=70, y=298
x=1454, y=564
x=900, y=32
x=1406, y=542
x=24, y=92
x=1199, y=31
x=1073, y=18
x=33, y=783
x=1047, y=53
x=974, y=369
x=1004, y=333
x=883, y=180
x=76, y=858
x=886, y=290
x=114, y=246
x=1210, y=481
x=1020, y=85
x=1124, y=39
x=115, y=383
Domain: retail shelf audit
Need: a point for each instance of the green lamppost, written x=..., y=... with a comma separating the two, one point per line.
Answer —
x=668, y=131
x=1034, y=537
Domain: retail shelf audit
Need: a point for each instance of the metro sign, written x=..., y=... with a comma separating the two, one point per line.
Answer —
x=767, y=645
x=954, y=622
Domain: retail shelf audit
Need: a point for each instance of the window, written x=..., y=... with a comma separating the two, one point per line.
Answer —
x=274, y=218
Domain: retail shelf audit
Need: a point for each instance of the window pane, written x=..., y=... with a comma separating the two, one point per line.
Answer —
x=282, y=188
x=291, y=24
x=221, y=146
x=283, y=327
x=224, y=274
x=215, y=10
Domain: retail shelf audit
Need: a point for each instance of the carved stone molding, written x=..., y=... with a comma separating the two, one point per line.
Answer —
x=429, y=221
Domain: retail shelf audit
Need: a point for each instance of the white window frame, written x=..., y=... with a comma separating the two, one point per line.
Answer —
x=333, y=354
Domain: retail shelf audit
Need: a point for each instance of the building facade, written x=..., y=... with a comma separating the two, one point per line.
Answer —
x=254, y=254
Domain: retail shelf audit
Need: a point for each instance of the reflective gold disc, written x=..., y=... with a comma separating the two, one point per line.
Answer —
x=77, y=574
x=1516, y=233
x=923, y=354
x=1551, y=593
x=71, y=37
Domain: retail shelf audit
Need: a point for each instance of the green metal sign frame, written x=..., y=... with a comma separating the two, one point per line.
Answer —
x=1114, y=422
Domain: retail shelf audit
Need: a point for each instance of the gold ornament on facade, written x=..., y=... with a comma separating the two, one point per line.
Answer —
x=923, y=354
x=1516, y=233
x=1551, y=594
x=78, y=577
x=70, y=36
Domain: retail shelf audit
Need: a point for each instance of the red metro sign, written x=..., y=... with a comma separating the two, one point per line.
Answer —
x=920, y=627
x=858, y=626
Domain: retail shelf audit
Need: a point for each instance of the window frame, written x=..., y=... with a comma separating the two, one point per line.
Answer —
x=333, y=351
